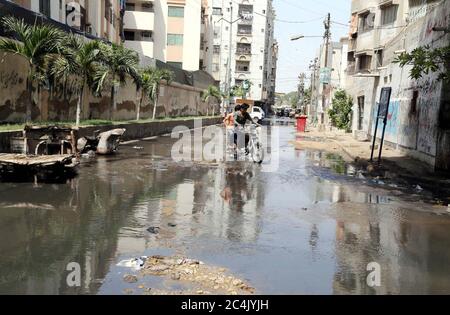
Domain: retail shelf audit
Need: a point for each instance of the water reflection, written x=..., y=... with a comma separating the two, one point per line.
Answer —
x=106, y=211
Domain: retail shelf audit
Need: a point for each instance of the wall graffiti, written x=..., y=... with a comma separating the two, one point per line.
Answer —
x=9, y=79
x=392, y=120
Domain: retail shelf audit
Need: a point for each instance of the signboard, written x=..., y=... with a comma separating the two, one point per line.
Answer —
x=325, y=75
x=383, y=110
x=385, y=99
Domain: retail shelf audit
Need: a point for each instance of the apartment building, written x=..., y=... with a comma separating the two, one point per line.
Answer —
x=418, y=120
x=167, y=30
x=327, y=79
x=238, y=45
x=100, y=18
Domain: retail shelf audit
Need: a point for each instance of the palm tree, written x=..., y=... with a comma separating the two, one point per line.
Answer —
x=156, y=77
x=211, y=92
x=35, y=43
x=145, y=87
x=79, y=60
x=118, y=63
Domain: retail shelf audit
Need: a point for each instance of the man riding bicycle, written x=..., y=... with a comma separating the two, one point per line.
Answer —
x=241, y=118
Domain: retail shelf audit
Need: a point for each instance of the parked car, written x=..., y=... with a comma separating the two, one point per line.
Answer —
x=257, y=114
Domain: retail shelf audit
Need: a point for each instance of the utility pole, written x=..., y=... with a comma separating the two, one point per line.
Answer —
x=301, y=91
x=314, y=67
x=229, y=58
x=327, y=44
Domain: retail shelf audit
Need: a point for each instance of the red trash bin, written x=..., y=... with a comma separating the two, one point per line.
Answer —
x=301, y=123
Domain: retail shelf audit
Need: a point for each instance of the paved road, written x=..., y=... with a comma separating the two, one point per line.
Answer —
x=311, y=227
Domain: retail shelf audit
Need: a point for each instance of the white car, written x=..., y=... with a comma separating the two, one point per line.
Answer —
x=257, y=114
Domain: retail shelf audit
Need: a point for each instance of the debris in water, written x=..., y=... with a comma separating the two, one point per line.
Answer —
x=418, y=188
x=153, y=230
x=198, y=277
x=138, y=148
x=172, y=225
x=130, y=279
x=135, y=263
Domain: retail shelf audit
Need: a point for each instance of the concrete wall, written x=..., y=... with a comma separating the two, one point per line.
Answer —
x=175, y=100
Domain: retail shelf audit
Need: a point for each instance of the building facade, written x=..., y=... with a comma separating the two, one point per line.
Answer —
x=167, y=30
x=100, y=18
x=324, y=83
x=418, y=121
x=238, y=45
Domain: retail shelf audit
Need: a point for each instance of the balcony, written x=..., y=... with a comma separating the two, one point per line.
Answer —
x=242, y=67
x=142, y=47
x=139, y=20
x=244, y=51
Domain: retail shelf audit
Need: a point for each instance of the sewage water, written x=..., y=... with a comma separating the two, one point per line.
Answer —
x=312, y=227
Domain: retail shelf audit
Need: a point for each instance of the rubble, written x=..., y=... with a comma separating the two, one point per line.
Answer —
x=199, y=277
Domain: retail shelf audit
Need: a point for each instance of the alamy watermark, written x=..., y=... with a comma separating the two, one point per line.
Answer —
x=73, y=14
x=374, y=277
x=73, y=278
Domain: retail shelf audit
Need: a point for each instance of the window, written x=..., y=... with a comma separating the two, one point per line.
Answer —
x=129, y=35
x=146, y=36
x=176, y=12
x=415, y=98
x=215, y=67
x=130, y=6
x=389, y=14
x=361, y=101
x=216, y=49
x=365, y=62
x=44, y=7
x=176, y=64
x=379, y=54
x=174, y=39
x=217, y=11
x=244, y=29
x=147, y=7
x=367, y=21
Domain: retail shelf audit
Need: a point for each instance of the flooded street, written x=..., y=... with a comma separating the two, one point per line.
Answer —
x=312, y=227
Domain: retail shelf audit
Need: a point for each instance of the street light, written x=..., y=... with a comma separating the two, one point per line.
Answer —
x=297, y=37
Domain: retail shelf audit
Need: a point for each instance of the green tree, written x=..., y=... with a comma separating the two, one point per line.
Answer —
x=425, y=60
x=145, y=88
x=35, y=43
x=157, y=76
x=212, y=92
x=118, y=64
x=241, y=90
x=341, y=110
x=79, y=61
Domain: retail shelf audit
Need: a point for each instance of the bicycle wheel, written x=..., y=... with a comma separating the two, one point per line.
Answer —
x=258, y=153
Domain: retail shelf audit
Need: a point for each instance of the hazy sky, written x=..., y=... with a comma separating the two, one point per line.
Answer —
x=295, y=56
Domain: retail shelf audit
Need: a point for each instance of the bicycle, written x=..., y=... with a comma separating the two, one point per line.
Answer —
x=255, y=147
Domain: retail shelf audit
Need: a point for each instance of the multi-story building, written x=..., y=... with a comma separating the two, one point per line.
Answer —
x=100, y=19
x=167, y=30
x=327, y=79
x=418, y=122
x=239, y=45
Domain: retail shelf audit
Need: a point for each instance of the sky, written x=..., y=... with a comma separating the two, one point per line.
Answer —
x=295, y=56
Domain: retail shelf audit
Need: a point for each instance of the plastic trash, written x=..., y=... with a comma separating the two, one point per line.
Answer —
x=135, y=263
